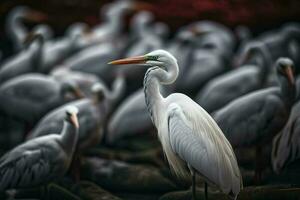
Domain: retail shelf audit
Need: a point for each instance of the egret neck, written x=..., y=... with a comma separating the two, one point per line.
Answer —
x=164, y=70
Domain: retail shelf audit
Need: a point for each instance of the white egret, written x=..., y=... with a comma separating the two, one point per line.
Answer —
x=186, y=131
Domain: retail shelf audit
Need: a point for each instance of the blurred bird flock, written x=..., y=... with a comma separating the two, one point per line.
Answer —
x=203, y=112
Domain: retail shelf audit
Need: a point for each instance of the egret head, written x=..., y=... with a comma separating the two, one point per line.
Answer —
x=71, y=115
x=159, y=58
x=285, y=68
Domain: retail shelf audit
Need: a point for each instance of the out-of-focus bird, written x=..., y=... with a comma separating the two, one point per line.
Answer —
x=281, y=42
x=26, y=61
x=214, y=37
x=243, y=34
x=44, y=30
x=249, y=77
x=29, y=97
x=207, y=58
x=182, y=47
x=42, y=159
x=83, y=80
x=253, y=119
x=187, y=132
x=203, y=67
x=286, y=144
x=145, y=40
x=15, y=28
x=56, y=51
x=113, y=15
x=93, y=60
x=130, y=118
x=81, y=33
x=92, y=117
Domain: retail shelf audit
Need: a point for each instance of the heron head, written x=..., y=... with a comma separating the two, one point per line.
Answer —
x=99, y=91
x=285, y=68
x=71, y=115
x=70, y=87
x=32, y=37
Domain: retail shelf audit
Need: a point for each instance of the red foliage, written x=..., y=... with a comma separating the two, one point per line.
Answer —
x=230, y=12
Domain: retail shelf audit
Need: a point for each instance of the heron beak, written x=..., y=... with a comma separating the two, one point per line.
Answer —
x=74, y=120
x=132, y=60
x=36, y=16
x=290, y=75
x=78, y=93
x=139, y=6
x=197, y=31
x=87, y=33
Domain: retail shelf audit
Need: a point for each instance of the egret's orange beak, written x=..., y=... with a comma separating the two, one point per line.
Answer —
x=290, y=75
x=74, y=120
x=132, y=60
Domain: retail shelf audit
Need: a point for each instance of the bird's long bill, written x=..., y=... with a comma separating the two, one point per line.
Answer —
x=132, y=60
x=74, y=120
x=36, y=16
x=290, y=75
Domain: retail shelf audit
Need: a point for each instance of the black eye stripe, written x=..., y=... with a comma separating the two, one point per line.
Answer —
x=153, y=57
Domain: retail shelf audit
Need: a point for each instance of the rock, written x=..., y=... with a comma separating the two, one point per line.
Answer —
x=141, y=196
x=249, y=193
x=90, y=191
x=29, y=193
x=138, y=142
x=86, y=190
x=289, y=175
x=153, y=156
x=123, y=177
x=56, y=192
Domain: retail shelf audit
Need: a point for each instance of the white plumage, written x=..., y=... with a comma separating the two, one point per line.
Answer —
x=187, y=132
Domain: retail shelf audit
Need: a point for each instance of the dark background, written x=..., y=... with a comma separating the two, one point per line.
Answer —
x=257, y=15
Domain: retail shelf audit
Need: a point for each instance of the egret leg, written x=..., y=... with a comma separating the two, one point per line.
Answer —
x=193, y=185
x=205, y=191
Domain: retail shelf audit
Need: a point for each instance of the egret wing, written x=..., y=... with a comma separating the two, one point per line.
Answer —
x=202, y=145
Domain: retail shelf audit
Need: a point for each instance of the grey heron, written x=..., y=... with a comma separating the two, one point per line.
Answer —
x=254, y=119
x=41, y=160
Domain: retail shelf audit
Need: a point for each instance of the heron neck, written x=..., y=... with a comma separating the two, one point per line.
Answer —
x=118, y=88
x=115, y=22
x=288, y=92
x=37, y=52
x=69, y=137
x=264, y=61
x=17, y=30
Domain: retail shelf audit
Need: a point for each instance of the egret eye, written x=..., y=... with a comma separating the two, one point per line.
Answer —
x=153, y=58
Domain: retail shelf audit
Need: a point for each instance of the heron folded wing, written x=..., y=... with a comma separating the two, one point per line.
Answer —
x=18, y=169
